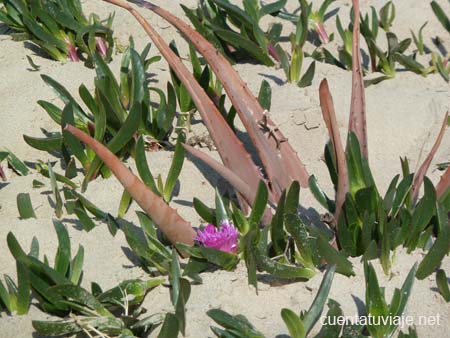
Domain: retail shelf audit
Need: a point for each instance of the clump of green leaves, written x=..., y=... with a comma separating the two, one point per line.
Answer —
x=286, y=249
x=233, y=326
x=316, y=18
x=293, y=66
x=40, y=276
x=217, y=20
x=380, y=60
x=57, y=289
x=60, y=28
x=371, y=223
x=117, y=110
x=235, y=31
x=113, y=312
x=15, y=299
x=377, y=307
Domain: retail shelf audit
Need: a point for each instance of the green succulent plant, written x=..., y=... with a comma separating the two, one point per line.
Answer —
x=118, y=110
x=235, y=31
x=60, y=28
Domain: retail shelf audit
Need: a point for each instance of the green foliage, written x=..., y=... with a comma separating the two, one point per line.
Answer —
x=315, y=18
x=60, y=28
x=235, y=31
x=235, y=326
x=298, y=326
x=41, y=277
x=440, y=15
x=384, y=61
x=14, y=162
x=15, y=299
x=377, y=307
x=118, y=109
x=153, y=255
x=115, y=311
x=56, y=195
x=442, y=284
x=418, y=39
x=287, y=248
x=76, y=203
x=165, y=190
x=369, y=220
x=24, y=206
x=292, y=66
x=180, y=292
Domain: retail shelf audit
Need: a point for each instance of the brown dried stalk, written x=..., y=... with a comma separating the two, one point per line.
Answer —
x=420, y=174
x=329, y=116
x=241, y=186
x=280, y=160
x=444, y=184
x=165, y=218
x=357, y=119
x=231, y=150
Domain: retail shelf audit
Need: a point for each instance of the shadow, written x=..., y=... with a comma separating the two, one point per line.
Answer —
x=282, y=336
x=269, y=279
x=439, y=45
x=3, y=184
x=312, y=218
x=183, y=203
x=36, y=50
x=330, y=14
x=47, y=193
x=74, y=222
x=176, y=189
x=365, y=59
x=5, y=30
x=360, y=306
x=274, y=78
x=210, y=175
x=313, y=38
x=151, y=77
x=131, y=257
x=50, y=201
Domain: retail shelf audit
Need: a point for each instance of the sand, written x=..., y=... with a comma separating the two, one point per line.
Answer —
x=404, y=116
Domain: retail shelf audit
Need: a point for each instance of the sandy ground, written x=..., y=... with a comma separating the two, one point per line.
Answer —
x=404, y=115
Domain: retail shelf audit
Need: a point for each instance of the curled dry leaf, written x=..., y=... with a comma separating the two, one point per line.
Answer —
x=166, y=218
x=357, y=120
x=420, y=174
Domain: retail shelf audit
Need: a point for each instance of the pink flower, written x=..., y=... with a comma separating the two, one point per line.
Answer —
x=223, y=239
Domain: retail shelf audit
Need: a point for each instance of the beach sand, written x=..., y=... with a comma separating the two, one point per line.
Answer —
x=403, y=118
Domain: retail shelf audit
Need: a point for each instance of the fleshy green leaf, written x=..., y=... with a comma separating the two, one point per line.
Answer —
x=24, y=206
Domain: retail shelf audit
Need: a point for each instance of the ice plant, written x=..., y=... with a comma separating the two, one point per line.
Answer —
x=60, y=28
x=317, y=19
x=223, y=238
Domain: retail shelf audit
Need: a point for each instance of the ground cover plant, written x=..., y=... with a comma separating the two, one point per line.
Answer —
x=262, y=225
x=118, y=109
x=352, y=233
x=59, y=28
